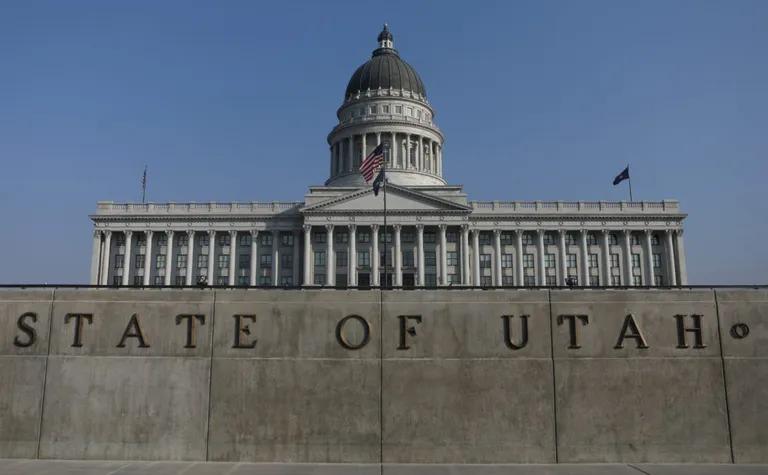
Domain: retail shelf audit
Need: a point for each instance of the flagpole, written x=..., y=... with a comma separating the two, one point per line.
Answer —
x=629, y=179
x=384, y=184
x=144, y=186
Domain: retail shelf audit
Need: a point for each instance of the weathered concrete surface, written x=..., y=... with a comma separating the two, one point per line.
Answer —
x=71, y=467
x=105, y=402
x=746, y=370
x=297, y=395
x=22, y=370
x=661, y=403
x=458, y=393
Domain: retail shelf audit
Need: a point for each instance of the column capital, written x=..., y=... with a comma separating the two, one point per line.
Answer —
x=148, y=232
x=190, y=232
x=128, y=232
x=465, y=227
x=307, y=228
x=233, y=232
x=605, y=232
x=352, y=227
x=626, y=232
x=497, y=232
x=254, y=233
x=679, y=232
x=374, y=227
x=648, y=232
x=420, y=227
x=442, y=227
x=211, y=232
x=397, y=227
x=329, y=227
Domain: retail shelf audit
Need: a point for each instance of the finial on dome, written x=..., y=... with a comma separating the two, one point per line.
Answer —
x=385, y=38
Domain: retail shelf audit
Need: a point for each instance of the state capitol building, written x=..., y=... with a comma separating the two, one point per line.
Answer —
x=435, y=235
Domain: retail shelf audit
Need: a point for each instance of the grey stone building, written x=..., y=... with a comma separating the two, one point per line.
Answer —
x=435, y=235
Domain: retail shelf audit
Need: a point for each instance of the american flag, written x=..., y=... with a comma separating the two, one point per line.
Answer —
x=373, y=161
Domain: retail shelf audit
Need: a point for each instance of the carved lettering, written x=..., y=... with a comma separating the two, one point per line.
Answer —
x=28, y=330
x=243, y=330
x=133, y=330
x=342, y=339
x=405, y=329
x=630, y=330
x=696, y=329
x=574, y=340
x=523, y=332
x=79, y=318
x=740, y=330
x=191, y=333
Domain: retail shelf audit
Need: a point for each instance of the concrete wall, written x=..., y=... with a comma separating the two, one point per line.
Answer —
x=410, y=377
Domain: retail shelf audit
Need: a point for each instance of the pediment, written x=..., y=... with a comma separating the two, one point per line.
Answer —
x=399, y=199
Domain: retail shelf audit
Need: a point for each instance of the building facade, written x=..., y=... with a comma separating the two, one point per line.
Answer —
x=435, y=236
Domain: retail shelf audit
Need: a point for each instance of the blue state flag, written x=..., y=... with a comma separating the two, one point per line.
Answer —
x=624, y=175
x=378, y=182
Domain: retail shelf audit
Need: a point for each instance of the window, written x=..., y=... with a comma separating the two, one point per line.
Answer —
x=223, y=261
x=616, y=280
x=452, y=258
x=341, y=258
x=549, y=261
x=506, y=238
x=571, y=261
x=374, y=109
x=182, y=240
x=570, y=239
x=159, y=280
x=594, y=280
x=485, y=261
x=364, y=258
x=202, y=261
x=529, y=281
x=659, y=280
x=453, y=279
x=408, y=111
x=613, y=239
x=244, y=261
x=162, y=239
x=407, y=236
x=342, y=237
x=385, y=109
x=637, y=280
x=320, y=258
x=635, y=240
x=506, y=261
x=319, y=279
x=507, y=280
x=551, y=280
x=615, y=261
x=244, y=239
x=138, y=280
x=430, y=259
x=204, y=239
x=418, y=113
x=385, y=237
x=398, y=109
x=266, y=239
x=591, y=239
x=265, y=261
x=527, y=239
x=243, y=280
x=139, y=262
x=429, y=237
x=635, y=261
x=657, y=261
x=527, y=261
x=549, y=239
x=364, y=237
x=181, y=261
x=223, y=239
x=485, y=238
x=486, y=281
x=117, y=280
x=160, y=262
x=655, y=240
x=286, y=261
x=451, y=236
x=119, y=260
x=593, y=261
x=408, y=258
x=180, y=280
x=120, y=240
x=265, y=280
x=388, y=256
x=286, y=280
x=430, y=280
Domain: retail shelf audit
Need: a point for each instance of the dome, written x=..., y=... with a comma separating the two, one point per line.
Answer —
x=385, y=70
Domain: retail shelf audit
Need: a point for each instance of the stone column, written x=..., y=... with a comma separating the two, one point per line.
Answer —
x=211, y=257
x=127, y=259
x=443, y=256
x=329, y=261
x=476, y=257
x=520, y=281
x=365, y=151
x=375, y=278
x=295, y=270
x=169, y=258
x=498, y=275
x=148, y=260
x=394, y=150
x=563, y=257
x=584, y=259
x=420, y=153
x=352, y=257
x=606, y=258
x=670, y=248
x=254, y=262
x=232, y=257
x=541, y=274
x=106, y=254
x=465, y=255
x=190, y=255
x=398, y=257
x=628, y=258
x=649, y=258
x=378, y=138
x=420, y=253
x=682, y=272
x=95, y=257
x=308, y=255
x=275, y=257
x=350, y=153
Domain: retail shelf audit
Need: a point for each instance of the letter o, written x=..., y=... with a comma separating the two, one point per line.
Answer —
x=740, y=330
x=343, y=340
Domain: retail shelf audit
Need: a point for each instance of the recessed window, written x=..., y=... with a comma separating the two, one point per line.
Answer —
x=374, y=110
x=385, y=109
x=398, y=109
x=506, y=261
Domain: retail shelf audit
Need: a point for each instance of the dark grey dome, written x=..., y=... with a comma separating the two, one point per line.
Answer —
x=385, y=69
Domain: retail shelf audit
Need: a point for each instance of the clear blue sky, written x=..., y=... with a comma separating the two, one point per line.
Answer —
x=233, y=100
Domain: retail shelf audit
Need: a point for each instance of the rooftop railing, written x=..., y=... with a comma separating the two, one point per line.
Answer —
x=109, y=207
x=666, y=206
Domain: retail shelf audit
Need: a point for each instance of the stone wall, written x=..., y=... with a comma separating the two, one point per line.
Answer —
x=456, y=376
